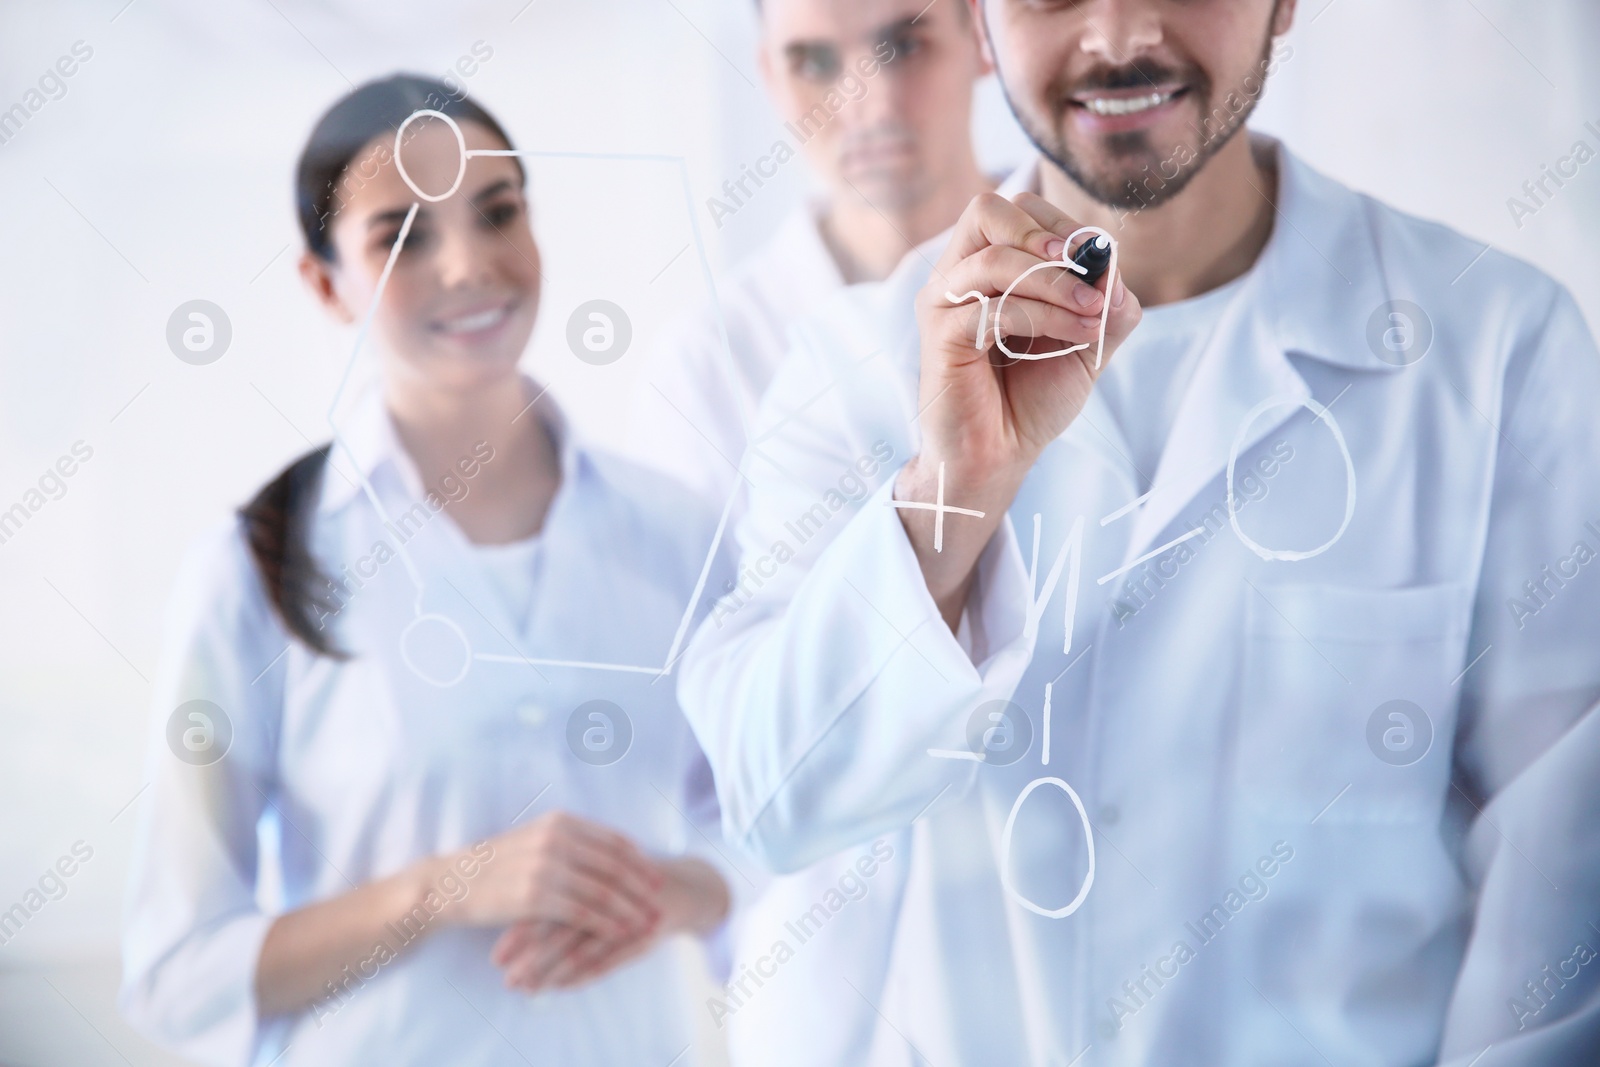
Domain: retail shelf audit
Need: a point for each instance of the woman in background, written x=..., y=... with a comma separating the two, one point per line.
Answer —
x=447, y=833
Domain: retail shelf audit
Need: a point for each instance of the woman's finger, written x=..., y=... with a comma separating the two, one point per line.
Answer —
x=642, y=889
x=580, y=899
x=515, y=940
x=530, y=970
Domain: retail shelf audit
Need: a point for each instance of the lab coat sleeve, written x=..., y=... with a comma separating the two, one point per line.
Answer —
x=1528, y=749
x=687, y=407
x=819, y=684
x=744, y=882
x=193, y=930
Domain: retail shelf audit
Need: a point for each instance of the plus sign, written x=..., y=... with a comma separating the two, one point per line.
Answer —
x=939, y=508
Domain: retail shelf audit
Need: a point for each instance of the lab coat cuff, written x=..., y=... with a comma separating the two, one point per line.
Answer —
x=201, y=1002
x=995, y=643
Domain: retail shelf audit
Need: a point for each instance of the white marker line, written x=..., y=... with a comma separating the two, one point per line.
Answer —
x=338, y=394
x=700, y=582
x=1005, y=851
x=1151, y=554
x=1033, y=566
x=939, y=508
x=1129, y=506
x=530, y=661
x=983, y=312
x=956, y=753
x=1065, y=263
x=1045, y=753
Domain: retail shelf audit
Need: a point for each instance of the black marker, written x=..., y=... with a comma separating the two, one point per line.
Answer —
x=1094, y=255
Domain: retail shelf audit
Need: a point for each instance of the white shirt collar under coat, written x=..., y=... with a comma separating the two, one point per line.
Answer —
x=370, y=443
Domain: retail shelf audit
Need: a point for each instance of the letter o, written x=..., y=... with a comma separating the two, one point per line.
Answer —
x=1005, y=851
x=1349, y=475
x=454, y=630
x=461, y=143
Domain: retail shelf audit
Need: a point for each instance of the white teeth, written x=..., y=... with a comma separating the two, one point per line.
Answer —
x=470, y=323
x=1125, y=105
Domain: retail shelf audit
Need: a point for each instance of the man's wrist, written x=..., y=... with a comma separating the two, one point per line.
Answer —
x=949, y=558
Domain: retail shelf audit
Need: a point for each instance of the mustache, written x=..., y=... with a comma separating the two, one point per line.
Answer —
x=1149, y=74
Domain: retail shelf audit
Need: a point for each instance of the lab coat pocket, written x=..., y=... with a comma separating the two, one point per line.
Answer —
x=1347, y=702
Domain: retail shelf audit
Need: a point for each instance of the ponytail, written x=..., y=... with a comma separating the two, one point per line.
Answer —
x=277, y=527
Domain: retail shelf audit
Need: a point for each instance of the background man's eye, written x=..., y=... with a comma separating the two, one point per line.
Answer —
x=903, y=45
x=817, y=64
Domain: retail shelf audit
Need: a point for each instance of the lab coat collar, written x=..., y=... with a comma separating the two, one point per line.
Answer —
x=798, y=255
x=1311, y=293
x=1321, y=272
x=370, y=445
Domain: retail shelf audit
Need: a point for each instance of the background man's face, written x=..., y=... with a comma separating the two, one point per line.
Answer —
x=1130, y=97
x=881, y=90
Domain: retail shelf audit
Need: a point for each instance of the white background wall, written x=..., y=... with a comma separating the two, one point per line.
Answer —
x=163, y=174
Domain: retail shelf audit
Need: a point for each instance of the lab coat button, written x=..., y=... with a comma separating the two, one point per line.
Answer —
x=1108, y=1030
x=1110, y=815
x=531, y=713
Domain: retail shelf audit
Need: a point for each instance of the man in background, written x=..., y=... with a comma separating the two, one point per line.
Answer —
x=876, y=96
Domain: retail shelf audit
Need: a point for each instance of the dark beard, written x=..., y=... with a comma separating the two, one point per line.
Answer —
x=1128, y=190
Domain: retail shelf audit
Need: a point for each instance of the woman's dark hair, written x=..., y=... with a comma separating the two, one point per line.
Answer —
x=358, y=120
x=277, y=527
x=277, y=522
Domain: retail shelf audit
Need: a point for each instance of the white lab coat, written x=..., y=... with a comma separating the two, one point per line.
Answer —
x=352, y=771
x=691, y=409
x=1214, y=710
x=691, y=405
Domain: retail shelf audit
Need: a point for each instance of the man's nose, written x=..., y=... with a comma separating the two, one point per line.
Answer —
x=881, y=98
x=1117, y=31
